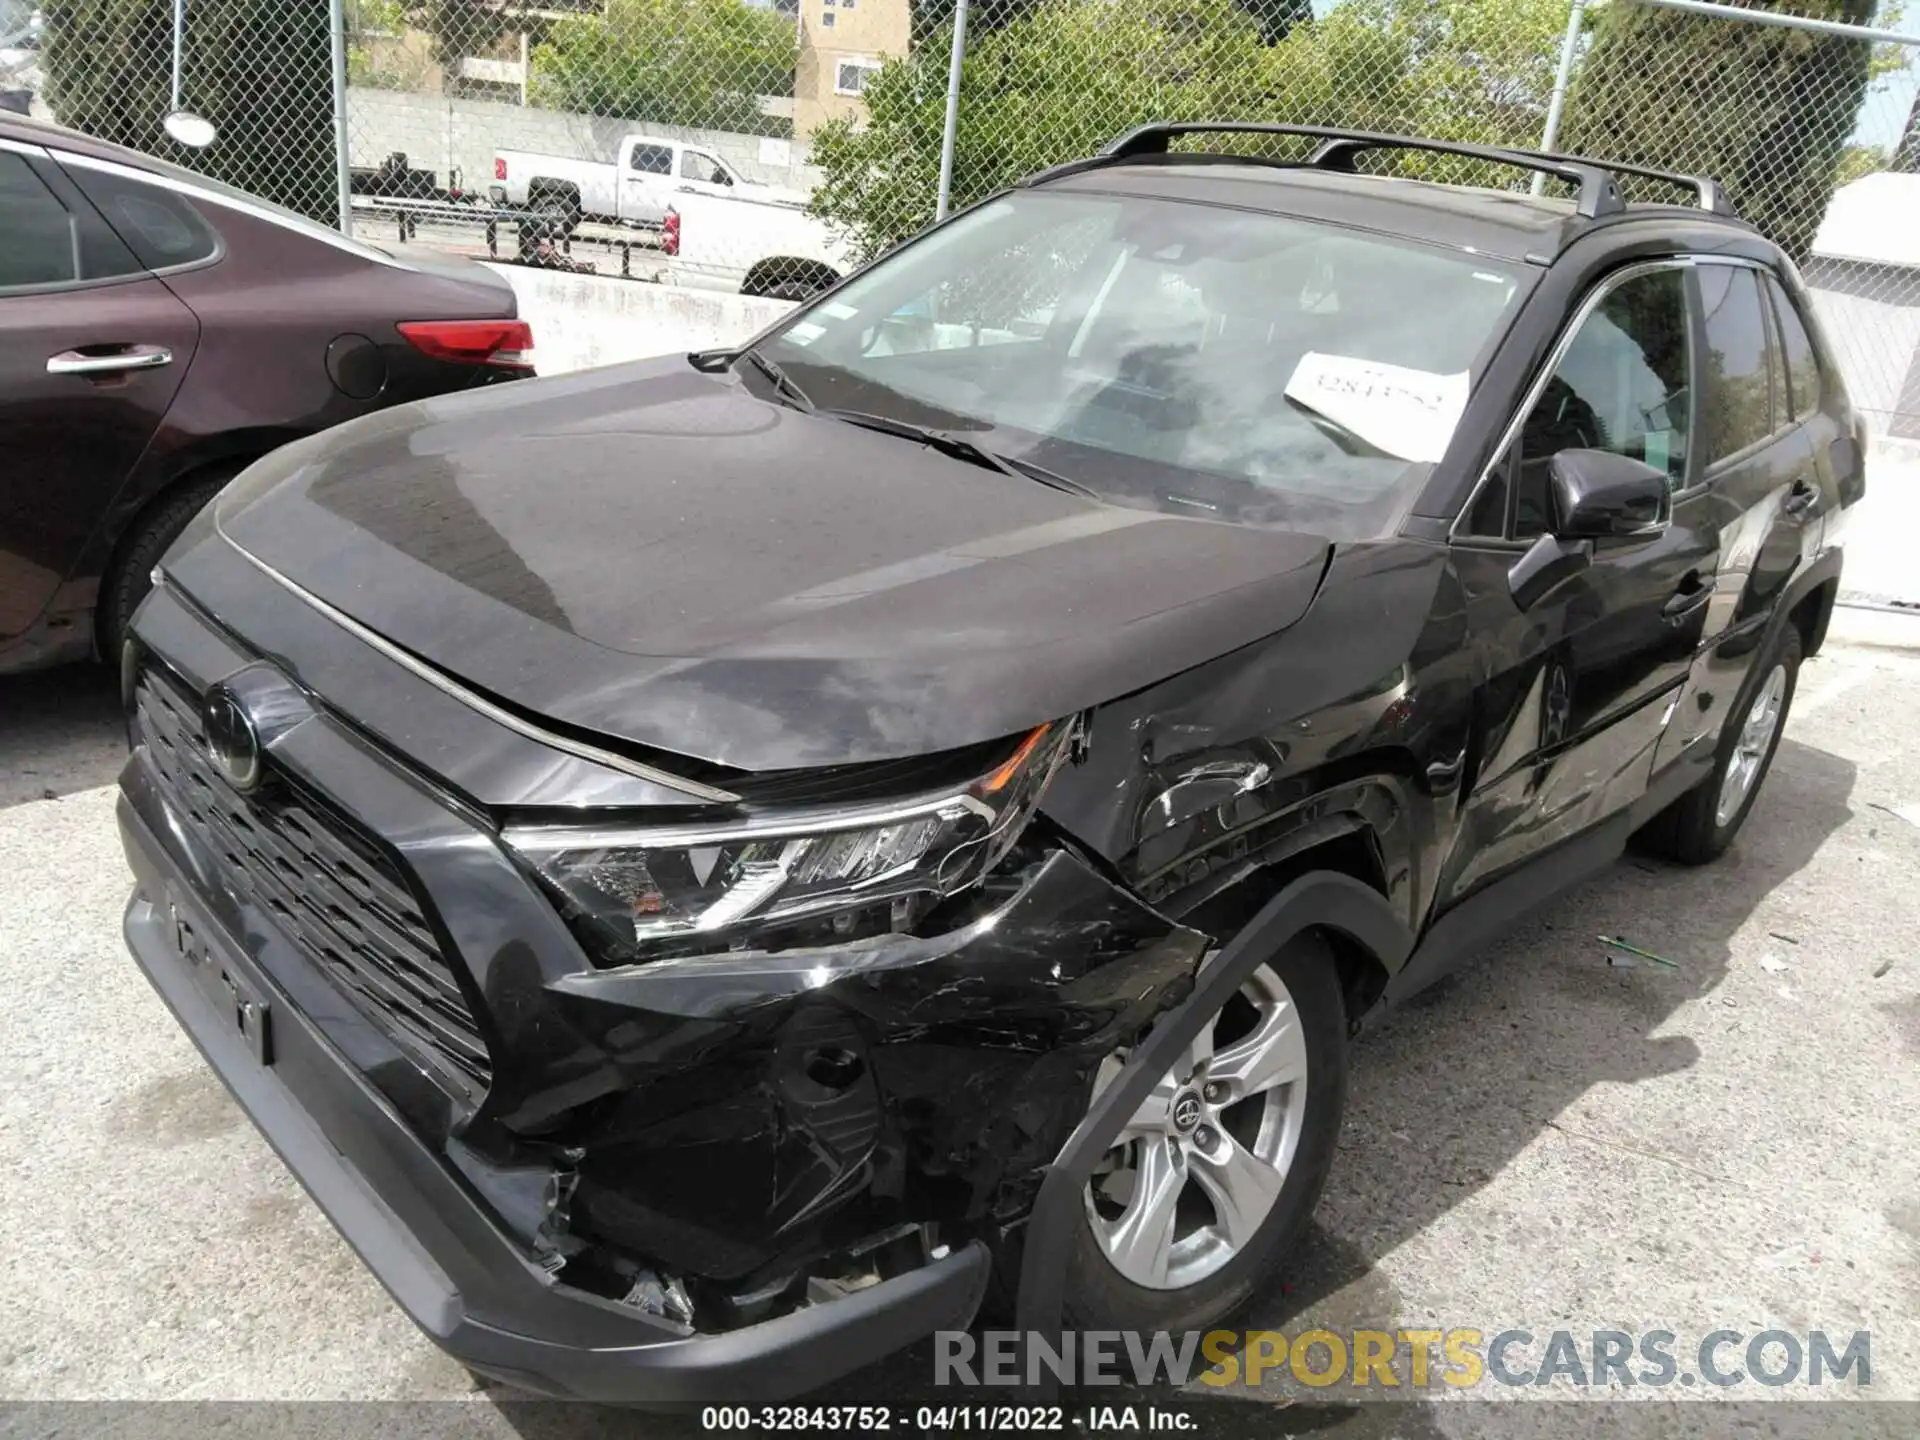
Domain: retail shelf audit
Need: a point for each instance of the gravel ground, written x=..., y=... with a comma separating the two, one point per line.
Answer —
x=1545, y=1142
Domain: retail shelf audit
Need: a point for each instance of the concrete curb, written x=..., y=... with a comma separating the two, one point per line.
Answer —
x=1874, y=627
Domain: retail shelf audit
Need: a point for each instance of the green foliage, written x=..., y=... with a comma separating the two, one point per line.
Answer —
x=260, y=70
x=674, y=62
x=930, y=17
x=1856, y=162
x=369, y=21
x=1764, y=109
x=1065, y=78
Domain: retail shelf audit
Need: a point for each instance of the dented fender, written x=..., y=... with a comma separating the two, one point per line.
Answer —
x=774, y=1108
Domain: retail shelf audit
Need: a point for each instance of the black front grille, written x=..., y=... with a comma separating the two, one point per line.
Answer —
x=329, y=889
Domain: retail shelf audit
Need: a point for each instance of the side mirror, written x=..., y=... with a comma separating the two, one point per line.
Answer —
x=1596, y=495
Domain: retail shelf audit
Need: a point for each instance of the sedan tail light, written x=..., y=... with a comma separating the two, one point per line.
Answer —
x=499, y=167
x=670, y=233
x=506, y=344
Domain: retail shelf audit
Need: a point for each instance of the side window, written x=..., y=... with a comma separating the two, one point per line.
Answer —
x=652, y=160
x=695, y=166
x=39, y=241
x=1737, y=409
x=1621, y=385
x=161, y=228
x=1802, y=365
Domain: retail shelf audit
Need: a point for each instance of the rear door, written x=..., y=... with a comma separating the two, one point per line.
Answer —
x=1763, y=476
x=1577, y=687
x=92, y=350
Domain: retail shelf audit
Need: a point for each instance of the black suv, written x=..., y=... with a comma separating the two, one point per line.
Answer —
x=697, y=864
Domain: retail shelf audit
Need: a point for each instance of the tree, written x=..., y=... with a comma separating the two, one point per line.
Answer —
x=931, y=17
x=674, y=62
x=260, y=70
x=463, y=27
x=1068, y=76
x=1276, y=18
x=1764, y=109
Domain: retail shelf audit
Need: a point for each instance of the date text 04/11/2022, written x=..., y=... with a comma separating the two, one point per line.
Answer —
x=938, y=1419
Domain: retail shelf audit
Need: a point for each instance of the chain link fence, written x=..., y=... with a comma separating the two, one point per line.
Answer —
x=766, y=145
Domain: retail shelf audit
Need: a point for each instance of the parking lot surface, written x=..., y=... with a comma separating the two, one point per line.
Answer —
x=1549, y=1141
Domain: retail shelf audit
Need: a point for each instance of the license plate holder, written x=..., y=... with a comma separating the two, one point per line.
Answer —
x=222, y=979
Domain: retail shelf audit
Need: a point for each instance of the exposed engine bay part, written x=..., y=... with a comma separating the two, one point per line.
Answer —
x=763, y=1129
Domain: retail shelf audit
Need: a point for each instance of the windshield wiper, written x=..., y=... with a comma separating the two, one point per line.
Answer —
x=1348, y=439
x=711, y=362
x=779, y=379
x=959, y=447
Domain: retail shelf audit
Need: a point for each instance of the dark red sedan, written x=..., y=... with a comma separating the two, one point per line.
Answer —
x=158, y=332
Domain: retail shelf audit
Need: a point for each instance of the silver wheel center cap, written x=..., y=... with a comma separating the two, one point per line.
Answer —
x=1186, y=1112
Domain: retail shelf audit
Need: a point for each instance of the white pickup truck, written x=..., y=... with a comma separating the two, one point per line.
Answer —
x=633, y=188
x=747, y=242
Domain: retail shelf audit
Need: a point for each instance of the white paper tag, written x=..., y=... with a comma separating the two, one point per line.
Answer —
x=1407, y=413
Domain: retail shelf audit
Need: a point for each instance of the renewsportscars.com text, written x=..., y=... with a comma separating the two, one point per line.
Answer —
x=1413, y=1359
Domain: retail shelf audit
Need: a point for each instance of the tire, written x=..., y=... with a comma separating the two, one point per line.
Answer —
x=141, y=549
x=1698, y=827
x=559, y=209
x=1208, y=1276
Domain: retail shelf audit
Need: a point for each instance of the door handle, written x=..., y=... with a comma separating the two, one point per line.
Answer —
x=130, y=357
x=1683, y=603
x=1800, y=499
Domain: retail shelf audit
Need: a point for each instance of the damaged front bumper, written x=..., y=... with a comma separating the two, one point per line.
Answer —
x=446, y=1260
x=666, y=1185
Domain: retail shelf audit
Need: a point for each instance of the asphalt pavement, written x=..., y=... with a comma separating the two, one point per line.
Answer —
x=1549, y=1141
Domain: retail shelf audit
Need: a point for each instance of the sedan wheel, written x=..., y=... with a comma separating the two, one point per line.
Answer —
x=1201, y=1163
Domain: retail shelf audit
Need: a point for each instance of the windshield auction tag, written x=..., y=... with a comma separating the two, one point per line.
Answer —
x=1407, y=413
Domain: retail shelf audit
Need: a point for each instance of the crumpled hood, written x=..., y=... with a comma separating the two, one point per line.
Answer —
x=653, y=554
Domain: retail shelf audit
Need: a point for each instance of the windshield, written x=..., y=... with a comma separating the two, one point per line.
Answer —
x=1186, y=357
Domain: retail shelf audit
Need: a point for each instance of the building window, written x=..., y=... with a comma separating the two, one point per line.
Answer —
x=826, y=21
x=850, y=76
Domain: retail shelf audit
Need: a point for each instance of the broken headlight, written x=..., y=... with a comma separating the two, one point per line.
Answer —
x=802, y=878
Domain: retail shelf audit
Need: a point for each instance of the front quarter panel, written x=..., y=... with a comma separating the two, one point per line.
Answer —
x=1351, y=722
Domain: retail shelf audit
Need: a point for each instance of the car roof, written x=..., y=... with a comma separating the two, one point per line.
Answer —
x=1332, y=185
x=1503, y=224
x=32, y=130
x=49, y=135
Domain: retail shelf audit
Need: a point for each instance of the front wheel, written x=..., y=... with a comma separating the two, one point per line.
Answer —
x=1214, y=1177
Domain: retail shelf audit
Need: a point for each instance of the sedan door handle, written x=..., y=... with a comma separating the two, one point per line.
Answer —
x=129, y=357
x=1800, y=498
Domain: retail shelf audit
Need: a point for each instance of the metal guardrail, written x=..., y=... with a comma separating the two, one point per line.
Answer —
x=408, y=215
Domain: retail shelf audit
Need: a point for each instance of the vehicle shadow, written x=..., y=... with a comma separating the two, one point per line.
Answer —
x=1443, y=1096
x=1446, y=1093
x=60, y=731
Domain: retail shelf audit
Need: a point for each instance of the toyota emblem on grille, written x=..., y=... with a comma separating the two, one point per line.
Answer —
x=232, y=743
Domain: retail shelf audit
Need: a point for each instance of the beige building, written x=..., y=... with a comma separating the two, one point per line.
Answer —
x=842, y=42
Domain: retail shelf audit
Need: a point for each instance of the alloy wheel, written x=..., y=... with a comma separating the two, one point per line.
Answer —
x=1202, y=1161
x=1751, y=746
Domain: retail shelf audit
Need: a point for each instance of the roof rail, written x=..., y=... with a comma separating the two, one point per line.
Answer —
x=1599, y=195
x=1595, y=179
x=1712, y=195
